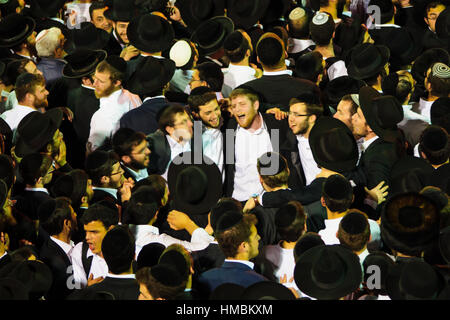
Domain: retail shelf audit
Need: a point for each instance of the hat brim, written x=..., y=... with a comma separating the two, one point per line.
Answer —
x=371, y=70
x=366, y=96
x=214, y=188
x=326, y=124
x=192, y=21
x=228, y=27
x=350, y=280
x=247, y=22
x=69, y=72
x=31, y=24
x=161, y=44
x=263, y=289
x=100, y=42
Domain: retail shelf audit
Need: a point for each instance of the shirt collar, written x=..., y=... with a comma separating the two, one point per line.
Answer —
x=277, y=73
x=111, y=191
x=138, y=175
x=248, y=263
x=236, y=68
x=367, y=143
x=172, y=142
x=92, y=88
x=121, y=276
x=298, y=45
x=65, y=246
x=259, y=130
x=157, y=97
x=37, y=189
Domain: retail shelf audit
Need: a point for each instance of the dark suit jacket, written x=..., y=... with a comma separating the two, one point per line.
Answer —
x=121, y=289
x=375, y=164
x=210, y=257
x=143, y=118
x=28, y=202
x=113, y=46
x=58, y=262
x=289, y=150
x=230, y=169
x=279, y=90
x=160, y=152
x=229, y=272
x=316, y=216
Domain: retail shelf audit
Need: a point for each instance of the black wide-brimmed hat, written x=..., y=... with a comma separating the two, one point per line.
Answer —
x=195, y=12
x=150, y=33
x=328, y=272
x=121, y=10
x=246, y=13
x=267, y=290
x=211, y=34
x=409, y=223
x=333, y=145
x=409, y=174
x=195, y=188
x=443, y=24
x=36, y=129
x=82, y=62
x=341, y=86
x=383, y=262
x=404, y=48
x=366, y=60
x=12, y=289
x=227, y=291
x=15, y=29
x=151, y=74
x=88, y=37
x=382, y=113
x=45, y=8
x=426, y=60
x=275, y=11
x=414, y=280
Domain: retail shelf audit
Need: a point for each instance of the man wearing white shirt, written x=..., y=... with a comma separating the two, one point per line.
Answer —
x=238, y=48
x=31, y=96
x=114, y=101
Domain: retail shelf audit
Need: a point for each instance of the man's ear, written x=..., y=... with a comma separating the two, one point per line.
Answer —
x=104, y=180
x=256, y=105
x=126, y=159
x=322, y=201
x=169, y=130
x=118, y=83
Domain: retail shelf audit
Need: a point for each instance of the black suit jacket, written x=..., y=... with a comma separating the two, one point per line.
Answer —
x=279, y=90
x=160, y=152
x=113, y=47
x=230, y=169
x=58, y=262
x=144, y=118
x=121, y=289
x=28, y=202
x=289, y=150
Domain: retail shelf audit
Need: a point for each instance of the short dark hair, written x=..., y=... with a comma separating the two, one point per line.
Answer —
x=309, y=66
x=14, y=69
x=242, y=91
x=167, y=118
x=102, y=213
x=230, y=239
x=199, y=97
x=155, y=287
x=348, y=98
x=270, y=51
x=26, y=83
x=432, y=5
x=114, y=73
x=7, y=172
x=96, y=169
x=141, y=207
x=156, y=183
x=118, y=249
x=125, y=139
x=276, y=180
x=212, y=74
x=294, y=230
x=386, y=9
x=54, y=223
x=95, y=5
x=312, y=102
x=354, y=241
x=337, y=193
x=236, y=46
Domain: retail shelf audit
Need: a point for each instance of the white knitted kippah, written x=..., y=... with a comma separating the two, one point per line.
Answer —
x=320, y=18
x=180, y=53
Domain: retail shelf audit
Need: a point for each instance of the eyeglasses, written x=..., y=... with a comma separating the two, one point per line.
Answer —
x=294, y=114
x=118, y=172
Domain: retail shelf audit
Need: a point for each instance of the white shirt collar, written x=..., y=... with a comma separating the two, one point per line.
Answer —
x=37, y=189
x=157, y=97
x=367, y=143
x=111, y=191
x=257, y=131
x=248, y=263
x=236, y=69
x=277, y=73
x=298, y=45
x=67, y=248
x=122, y=276
x=173, y=143
x=92, y=88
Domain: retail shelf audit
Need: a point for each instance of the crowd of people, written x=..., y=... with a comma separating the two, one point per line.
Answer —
x=224, y=150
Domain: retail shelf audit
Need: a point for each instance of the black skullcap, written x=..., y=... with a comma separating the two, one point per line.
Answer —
x=389, y=84
x=337, y=187
x=285, y=216
x=200, y=90
x=149, y=254
x=177, y=260
x=167, y=275
x=307, y=241
x=220, y=208
x=96, y=159
x=269, y=51
x=228, y=220
x=31, y=164
x=63, y=186
x=117, y=62
x=233, y=41
x=439, y=109
x=271, y=163
x=434, y=138
x=354, y=223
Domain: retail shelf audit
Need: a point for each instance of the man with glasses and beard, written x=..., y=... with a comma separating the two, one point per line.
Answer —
x=132, y=148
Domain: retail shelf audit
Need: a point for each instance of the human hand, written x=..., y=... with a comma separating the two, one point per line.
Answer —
x=249, y=205
x=92, y=281
x=60, y=158
x=279, y=115
x=125, y=190
x=129, y=52
x=378, y=193
x=178, y=220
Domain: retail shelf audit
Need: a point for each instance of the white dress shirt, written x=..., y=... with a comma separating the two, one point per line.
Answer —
x=309, y=165
x=175, y=149
x=212, y=140
x=15, y=115
x=283, y=262
x=138, y=175
x=234, y=76
x=99, y=268
x=111, y=191
x=106, y=120
x=66, y=247
x=424, y=108
x=249, y=146
x=145, y=234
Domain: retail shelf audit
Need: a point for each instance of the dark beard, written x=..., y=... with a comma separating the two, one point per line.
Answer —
x=134, y=165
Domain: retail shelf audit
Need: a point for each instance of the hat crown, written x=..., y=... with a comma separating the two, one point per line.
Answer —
x=365, y=56
x=387, y=111
x=419, y=280
x=411, y=216
x=209, y=32
x=156, y=29
x=202, y=9
x=328, y=269
x=191, y=184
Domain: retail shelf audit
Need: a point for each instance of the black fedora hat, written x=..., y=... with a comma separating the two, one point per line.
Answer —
x=267, y=290
x=121, y=10
x=12, y=289
x=246, y=13
x=409, y=223
x=275, y=11
x=348, y=34
x=414, y=280
x=82, y=62
x=36, y=129
x=15, y=29
x=88, y=36
x=382, y=261
x=443, y=24
x=426, y=60
x=410, y=174
x=341, y=86
x=333, y=145
x=196, y=188
x=404, y=48
x=227, y=291
x=366, y=60
x=151, y=74
x=150, y=33
x=195, y=12
x=211, y=34
x=328, y=272
x=382, y=113
x=45, y=8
